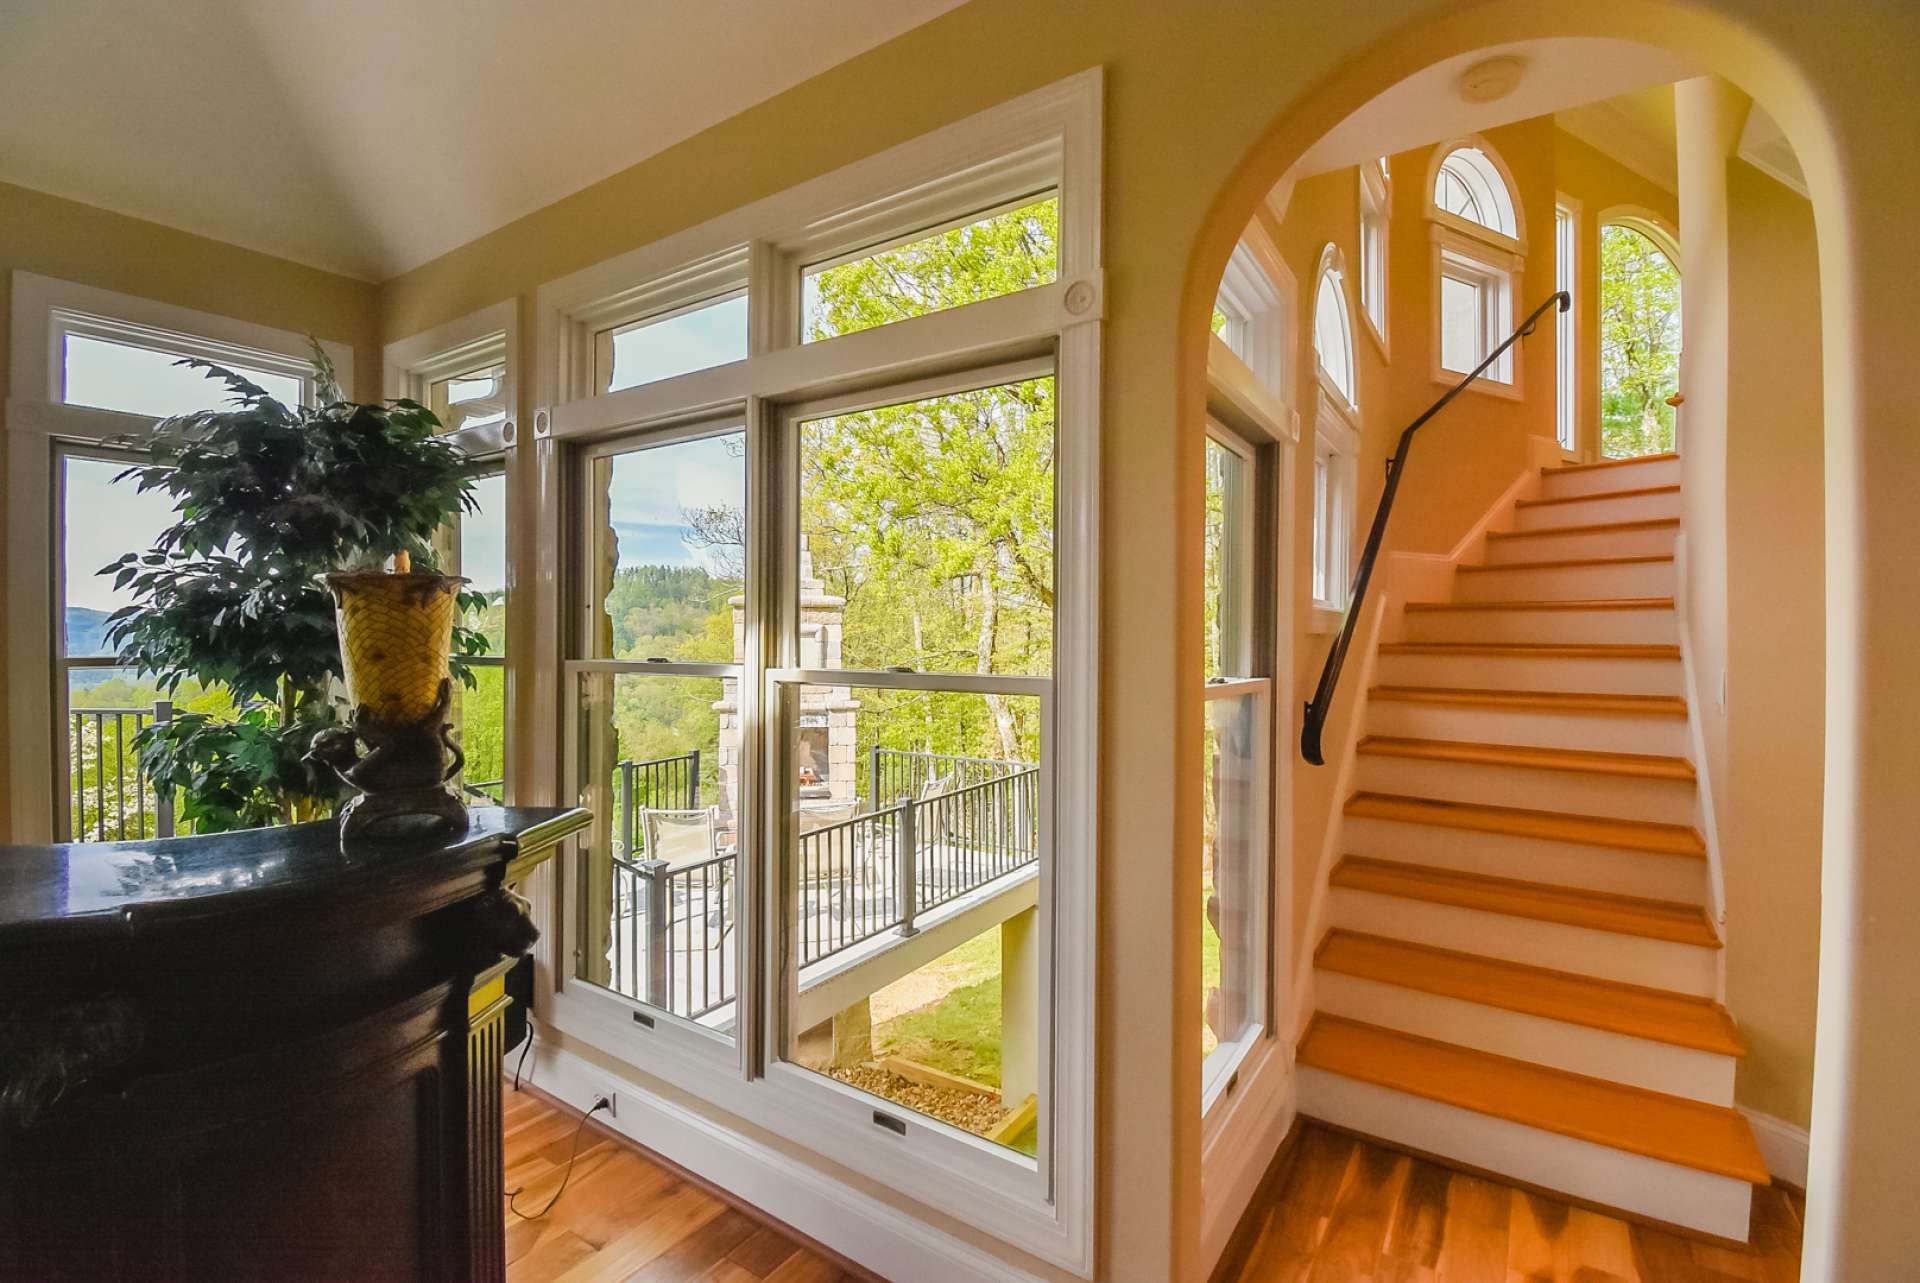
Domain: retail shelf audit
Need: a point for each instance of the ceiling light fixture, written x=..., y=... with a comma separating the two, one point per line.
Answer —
x=1491, y=79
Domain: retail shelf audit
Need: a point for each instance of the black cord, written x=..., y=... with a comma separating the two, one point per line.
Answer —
x=598, y=1105
x=522, y=1064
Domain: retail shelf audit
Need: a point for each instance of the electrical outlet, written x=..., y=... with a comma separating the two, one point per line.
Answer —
x=607, y=1094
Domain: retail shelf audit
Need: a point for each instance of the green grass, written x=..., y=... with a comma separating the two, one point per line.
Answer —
x=959, y=1032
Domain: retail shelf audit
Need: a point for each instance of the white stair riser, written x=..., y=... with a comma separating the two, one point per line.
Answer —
x=1604, y=732
x=1580, y=1049
x=1574, y=675
x=1646, y=541
x=1610, y=955
x=1567, y=583
x=1567, y=864
x=1633, y=476
x=1623, y=797
x=1702, y=1201
x=1598, y=508
x=1537, y=627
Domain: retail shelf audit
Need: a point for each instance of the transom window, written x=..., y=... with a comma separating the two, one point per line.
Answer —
x=1470, y=186
x=1333, y=328
x=1376, y=204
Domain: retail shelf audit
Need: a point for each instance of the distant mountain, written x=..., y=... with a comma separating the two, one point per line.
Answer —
x=87, y=635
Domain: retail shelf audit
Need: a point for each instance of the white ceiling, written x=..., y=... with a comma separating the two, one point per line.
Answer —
x=368, y=136
x=1427, y=108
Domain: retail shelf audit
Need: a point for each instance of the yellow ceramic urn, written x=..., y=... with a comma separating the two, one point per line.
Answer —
x=396, y=634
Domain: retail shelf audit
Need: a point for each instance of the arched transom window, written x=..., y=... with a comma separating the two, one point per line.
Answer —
x=1470, y=186
x=1333, y=327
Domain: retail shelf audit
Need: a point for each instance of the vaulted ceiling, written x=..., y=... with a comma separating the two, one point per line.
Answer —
x=369, y=136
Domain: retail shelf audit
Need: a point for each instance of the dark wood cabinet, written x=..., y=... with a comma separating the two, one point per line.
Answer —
x=256, y=1056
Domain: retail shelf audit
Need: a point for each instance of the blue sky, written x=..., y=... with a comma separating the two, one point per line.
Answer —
x=707, y=336
x=652, y=488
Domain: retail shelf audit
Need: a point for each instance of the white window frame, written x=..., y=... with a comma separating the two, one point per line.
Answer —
x=1488, y=256
x=1333, y=268
x=1259, y=311
x=39, y=427
x=1566, y=324
x=1336, y=445
x=1497, y=274
x=1049, y=139
x=1376, y=228
x=409, y=368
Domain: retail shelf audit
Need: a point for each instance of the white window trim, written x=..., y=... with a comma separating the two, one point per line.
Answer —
x=490, y=336
x=1048, y=139
x=1255, y=291
x=1334, y=261
x=1516, y=243
x=1336, y=438
x=44, y=310
x=1375, y=196
x=1568, y=262
x=1499, y=269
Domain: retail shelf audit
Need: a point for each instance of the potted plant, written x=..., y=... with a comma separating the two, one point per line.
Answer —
x=269, y=499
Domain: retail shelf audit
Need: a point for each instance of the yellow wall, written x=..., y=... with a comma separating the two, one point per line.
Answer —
x=74, y=242
x=1770, y=799
x=1202, y=117
x=1206, y=107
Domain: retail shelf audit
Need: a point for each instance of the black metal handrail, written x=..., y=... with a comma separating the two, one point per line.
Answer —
x=1322, y=702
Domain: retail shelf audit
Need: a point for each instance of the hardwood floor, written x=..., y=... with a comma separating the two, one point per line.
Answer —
x=624, y=1215
x=1349, y=1211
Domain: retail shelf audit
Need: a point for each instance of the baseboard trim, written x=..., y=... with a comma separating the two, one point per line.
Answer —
x=879, y=1238
x=1246, y=1234
x=1782, y=1144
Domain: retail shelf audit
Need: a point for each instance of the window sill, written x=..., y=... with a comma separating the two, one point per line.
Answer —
x=1324, y=620
x=1485, y=384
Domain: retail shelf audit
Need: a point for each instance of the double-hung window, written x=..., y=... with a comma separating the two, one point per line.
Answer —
x=463, y=371
x=93, y=372
x=826, y=626
x=1566, y=265
x=1376, y=208
x=1478, y=243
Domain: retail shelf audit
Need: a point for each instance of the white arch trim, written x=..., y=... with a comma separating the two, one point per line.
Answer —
x=1508, y=211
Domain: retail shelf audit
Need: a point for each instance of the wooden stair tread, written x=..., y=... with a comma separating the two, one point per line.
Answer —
x=1563, y=563
x=1635, y=765
x=1667, y=920
x=1635, y=493
x=1513, y=821
x=1589, y=528
x=1538, y=650
x=1537, y=701
x=1670, y=1129
x=1677, y=1019
x=1600, y=464
x=1589, y=603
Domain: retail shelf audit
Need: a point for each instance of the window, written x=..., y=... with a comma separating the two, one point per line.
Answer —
x=1333, y=328
x=695, y=337
x=1250, y=315
x=1335, y=451
x=92, y=369
x=1477, y=245
x=825, y=684
x=1566, y=232
x=982, y=257
x=476, y=547
x=1640, y=333
x=1376, y=204
x=474, y=398
x=1471, y=187
x=1234, y=844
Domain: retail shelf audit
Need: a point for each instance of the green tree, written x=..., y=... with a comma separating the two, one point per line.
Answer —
x=1639, y=343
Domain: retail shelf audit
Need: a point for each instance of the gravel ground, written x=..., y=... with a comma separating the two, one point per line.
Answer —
x=977, y=1113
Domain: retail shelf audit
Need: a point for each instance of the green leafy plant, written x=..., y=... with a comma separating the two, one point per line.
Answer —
x=268, y=498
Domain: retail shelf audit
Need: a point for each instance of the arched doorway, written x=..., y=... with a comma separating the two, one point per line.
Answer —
x=1639, y=333
x=1295, y=135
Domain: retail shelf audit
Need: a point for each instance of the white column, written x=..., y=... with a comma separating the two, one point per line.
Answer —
x=1019, y=1008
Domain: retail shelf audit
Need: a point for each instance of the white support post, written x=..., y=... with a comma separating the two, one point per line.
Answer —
x=1019, y=1008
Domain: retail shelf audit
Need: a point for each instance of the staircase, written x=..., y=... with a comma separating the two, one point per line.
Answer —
x=1521, y=969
